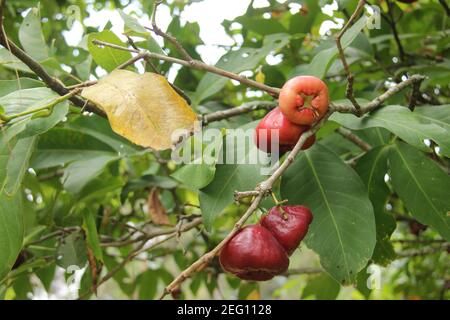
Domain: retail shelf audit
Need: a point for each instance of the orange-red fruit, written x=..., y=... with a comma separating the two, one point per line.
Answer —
x=304, y=100
x=288, y=224
x=254, y=254
x=288, y=132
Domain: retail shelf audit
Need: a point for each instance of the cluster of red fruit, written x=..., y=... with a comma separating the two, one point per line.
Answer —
x=303, y=101
x=261, y=251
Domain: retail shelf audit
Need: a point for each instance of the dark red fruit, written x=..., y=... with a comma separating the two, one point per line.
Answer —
x=254, y=254
x=288, y=132
x=288, y=224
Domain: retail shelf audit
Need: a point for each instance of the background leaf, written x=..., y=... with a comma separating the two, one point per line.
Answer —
x=106, y=57
x=11, y=231
x=412, y=127
x=31, y=36
x=423, y=187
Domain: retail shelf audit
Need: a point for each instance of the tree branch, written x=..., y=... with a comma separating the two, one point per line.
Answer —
x=424, y=251
x=350, y=77
x=391, y=21
x=378, y=101
x=141, y=248
x=186, y=56
x=39, y=70
x=236, y=111
x=195, y=64
x=354, y=138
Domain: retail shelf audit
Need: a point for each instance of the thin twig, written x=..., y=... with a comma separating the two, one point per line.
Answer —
x=131, y=61
x=424, y=251
x=299, y=271
x=350, y=77
x=393, y=25
x=354, y=138
x=139, y=249
x=378, y=101
x=65, y=231
x=238, y=195
x=144, y=237
x=232, y=112
x=186, y=56
x=417, y=241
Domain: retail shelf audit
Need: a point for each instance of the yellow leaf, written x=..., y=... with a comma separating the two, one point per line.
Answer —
x=143, y=108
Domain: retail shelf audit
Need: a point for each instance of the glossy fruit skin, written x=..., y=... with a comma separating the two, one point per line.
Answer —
x=288, y=224
x=254, y=254
x=289, y=133
x=292, y=100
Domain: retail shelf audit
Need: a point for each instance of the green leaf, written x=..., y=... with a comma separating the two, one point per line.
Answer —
x=18, y=164
x=343, y=230
x=229, y=178
x=106, y=57
x=72, y=251
x=148, y=284
x=8, y=86
x=439, y=115
x=31, y=36
x=11, y=231
x=84, y=68
x=37, y=126
x=98, y=188
x=60, y=146
x=321, y=287
x=260, y=25
x=412, y=127
x=9, y=61
x=195, y=176
x=422, y=186
x=5, y=151
x=26, y=100
x=302, y=23
x=238, y=61
x=372, y=168
x=322, y=61
x=92, y=238
x=100, y=129
x=78, y=173
x=131, y=23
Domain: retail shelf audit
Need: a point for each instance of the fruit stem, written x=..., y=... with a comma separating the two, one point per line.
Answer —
x=278, y=204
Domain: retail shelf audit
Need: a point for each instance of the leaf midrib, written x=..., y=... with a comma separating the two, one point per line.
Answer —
x=322, y=191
